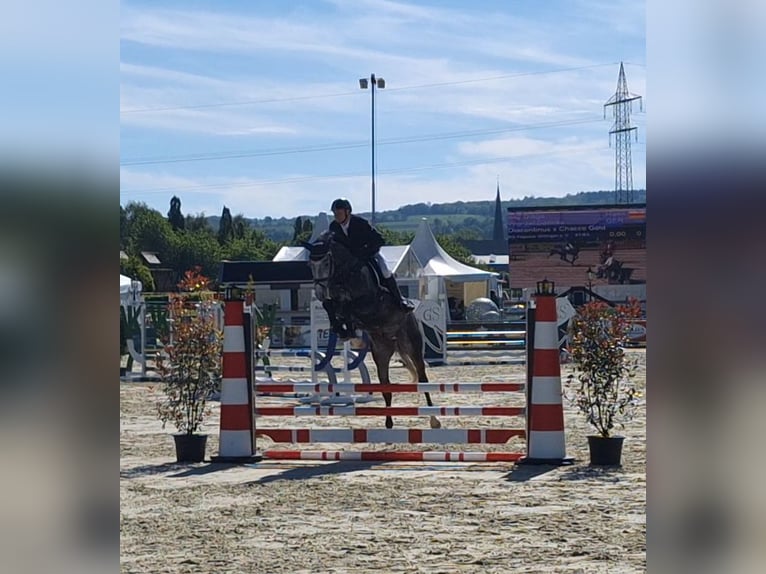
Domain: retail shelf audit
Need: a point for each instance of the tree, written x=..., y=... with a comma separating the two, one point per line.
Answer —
x=196, y=248
x=123, y=228
x=395, y=237
x=198, y=223
x=175, y=217
x=148, y=230
x=240, y=225
x=225, y=227
x=302, y=230
x=255, y=246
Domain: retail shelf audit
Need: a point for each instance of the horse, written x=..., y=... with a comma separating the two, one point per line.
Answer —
x=359, y=298
x=565, y=252
x=614, y=272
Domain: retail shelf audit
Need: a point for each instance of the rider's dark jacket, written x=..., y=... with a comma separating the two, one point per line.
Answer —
x=363, y=239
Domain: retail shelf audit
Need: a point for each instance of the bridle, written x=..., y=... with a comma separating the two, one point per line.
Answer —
x=327, y=253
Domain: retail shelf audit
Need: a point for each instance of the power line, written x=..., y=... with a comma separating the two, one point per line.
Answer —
x=341, y=94
x=350, y=145
x=393, y=171
x=503, y=77
x=241, y=103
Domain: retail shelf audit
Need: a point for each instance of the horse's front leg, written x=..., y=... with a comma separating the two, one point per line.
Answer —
x=434, y=422
x=382, y=354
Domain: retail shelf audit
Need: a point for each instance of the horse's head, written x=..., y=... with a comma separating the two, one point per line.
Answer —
x=334, y=268
x=320, y=263
x=329, y=257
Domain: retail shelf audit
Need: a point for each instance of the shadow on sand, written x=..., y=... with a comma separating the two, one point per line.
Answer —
x=186, y=469
x=305, y=472
x=523, y=473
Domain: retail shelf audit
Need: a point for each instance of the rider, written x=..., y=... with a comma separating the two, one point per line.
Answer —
x=365, y=242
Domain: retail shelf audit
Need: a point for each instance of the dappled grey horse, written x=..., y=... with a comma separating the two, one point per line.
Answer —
x=358, y=298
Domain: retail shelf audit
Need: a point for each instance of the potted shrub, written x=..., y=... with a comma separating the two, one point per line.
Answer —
x=602, y=386
x=190, y=366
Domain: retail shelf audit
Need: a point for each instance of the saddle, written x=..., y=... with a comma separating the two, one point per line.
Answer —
x=379, y=281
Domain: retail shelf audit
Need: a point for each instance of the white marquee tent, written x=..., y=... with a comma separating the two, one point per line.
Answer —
x=124, y=289
x=125, y=286
x=437, y=262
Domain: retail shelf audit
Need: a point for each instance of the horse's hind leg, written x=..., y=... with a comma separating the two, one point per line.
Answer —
x=412, y=355
x=381, y=354
x=434, y=422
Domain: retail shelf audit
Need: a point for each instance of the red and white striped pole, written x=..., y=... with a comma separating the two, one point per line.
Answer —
x=545, y=419
x=236, y=426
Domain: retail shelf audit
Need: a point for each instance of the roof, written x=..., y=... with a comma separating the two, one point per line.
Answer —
x=289, y=253
x=151, y=257
x=239, y=272
x=492, y=259
x=393, y=255
x=436, y=261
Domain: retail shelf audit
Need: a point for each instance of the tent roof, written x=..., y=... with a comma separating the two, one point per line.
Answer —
x=124, y=284
x=436, y=261
x=288, y=253
x=321, y=224
x=393, y=255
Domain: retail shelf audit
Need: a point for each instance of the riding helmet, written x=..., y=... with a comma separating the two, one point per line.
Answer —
x=341, y=203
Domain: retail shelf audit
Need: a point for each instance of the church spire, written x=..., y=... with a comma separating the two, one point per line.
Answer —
x=498, y=233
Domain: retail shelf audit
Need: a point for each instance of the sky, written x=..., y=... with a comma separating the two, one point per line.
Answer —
x=256, y=105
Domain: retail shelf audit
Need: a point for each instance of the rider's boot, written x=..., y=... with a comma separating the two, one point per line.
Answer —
x=391, y=285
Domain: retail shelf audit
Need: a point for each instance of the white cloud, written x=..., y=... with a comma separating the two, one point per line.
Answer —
x=291, y=82
x=526, y=167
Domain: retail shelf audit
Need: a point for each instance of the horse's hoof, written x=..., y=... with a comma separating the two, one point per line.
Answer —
x=435, y=423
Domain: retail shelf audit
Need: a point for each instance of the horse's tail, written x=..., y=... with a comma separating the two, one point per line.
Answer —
x=409, y=346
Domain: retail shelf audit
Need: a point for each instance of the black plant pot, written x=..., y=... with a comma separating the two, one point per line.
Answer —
x=605, y=451
x=190, y=447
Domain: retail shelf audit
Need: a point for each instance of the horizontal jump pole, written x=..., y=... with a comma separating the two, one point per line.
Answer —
x=374, y=456
x=394, y=388
x=485, y=334
x=290, y=369
x=488, y=342
x=392, y=436
x=284, y=352
x=486, y=360
x=283, y=368
x=307, y=411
